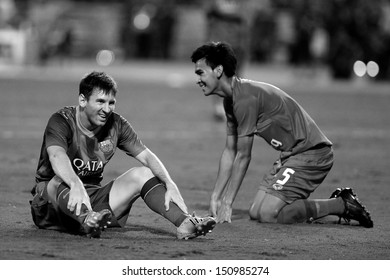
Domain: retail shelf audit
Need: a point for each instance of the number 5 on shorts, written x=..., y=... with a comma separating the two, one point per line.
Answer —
x=287, y=174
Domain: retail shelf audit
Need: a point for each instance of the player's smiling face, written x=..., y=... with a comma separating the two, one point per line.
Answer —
x=96, y=110
x=207, y=77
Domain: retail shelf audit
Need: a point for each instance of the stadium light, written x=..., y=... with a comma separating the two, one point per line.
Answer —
x=359, y=68
x=372, y=69
x=141, y=21
x=105, y=57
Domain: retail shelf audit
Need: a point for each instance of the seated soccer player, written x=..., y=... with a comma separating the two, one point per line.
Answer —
x=78, y=142
x=255, y=108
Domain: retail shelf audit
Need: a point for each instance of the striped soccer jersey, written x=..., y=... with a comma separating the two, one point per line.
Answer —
x=88, y=151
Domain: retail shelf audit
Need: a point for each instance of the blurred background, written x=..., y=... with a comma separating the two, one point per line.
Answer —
x=349, y=38
x=331, y=56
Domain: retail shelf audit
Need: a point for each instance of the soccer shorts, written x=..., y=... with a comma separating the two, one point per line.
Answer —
x=46, y=216
x=297, y=176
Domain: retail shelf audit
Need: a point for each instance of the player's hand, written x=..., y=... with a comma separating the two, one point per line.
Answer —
x=173, y=194
x=77, y=197
x=214, y=206
x=224, y=213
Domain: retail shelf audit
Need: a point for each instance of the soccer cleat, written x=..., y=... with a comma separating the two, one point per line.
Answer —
x=354, y=209
x=95, y=222
x=194, y=226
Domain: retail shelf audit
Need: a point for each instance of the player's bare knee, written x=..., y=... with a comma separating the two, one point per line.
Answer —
x=267, y=215
x=141, y=175
x=135, y=177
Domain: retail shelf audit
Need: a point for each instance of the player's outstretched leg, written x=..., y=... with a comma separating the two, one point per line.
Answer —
x=354, y=209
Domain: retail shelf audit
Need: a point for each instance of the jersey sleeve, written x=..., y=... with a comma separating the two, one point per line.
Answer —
x=128, y=140
x=58, y=132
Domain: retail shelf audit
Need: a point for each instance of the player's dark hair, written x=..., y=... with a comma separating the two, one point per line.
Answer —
x=97, y=80
x=217, y=53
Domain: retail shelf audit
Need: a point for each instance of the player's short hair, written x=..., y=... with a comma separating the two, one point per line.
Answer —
x=98, y=80
x=217, y=53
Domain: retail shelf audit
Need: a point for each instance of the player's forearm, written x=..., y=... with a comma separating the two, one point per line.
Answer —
x=62, y=168
x=240, y=166
x=224, y=173
x=158, y=169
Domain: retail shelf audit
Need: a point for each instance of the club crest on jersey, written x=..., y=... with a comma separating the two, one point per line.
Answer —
x=106, y=146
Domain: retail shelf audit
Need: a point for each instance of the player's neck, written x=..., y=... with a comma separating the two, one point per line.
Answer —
x=227, y=86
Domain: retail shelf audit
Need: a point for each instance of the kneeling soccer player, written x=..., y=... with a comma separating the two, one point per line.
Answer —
x=255, y=108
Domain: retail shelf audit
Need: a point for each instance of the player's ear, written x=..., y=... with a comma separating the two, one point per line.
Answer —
x=82, y=100
x=219, y=71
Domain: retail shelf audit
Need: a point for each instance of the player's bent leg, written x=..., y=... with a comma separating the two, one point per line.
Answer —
x=269, y=209
x=127, y=188
x=88, y=223
x=308, y=210
x=299, y=211
x=274, y=210
x=153, y=193
x=140, y=181
x=188, y=227
x=58, y=193
x=265, y=207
